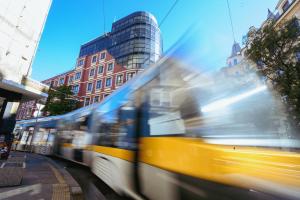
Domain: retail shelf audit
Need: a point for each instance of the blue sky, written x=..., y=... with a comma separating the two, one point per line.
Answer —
x=71, y=23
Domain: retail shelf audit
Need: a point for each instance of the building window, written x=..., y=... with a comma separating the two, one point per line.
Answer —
x=108, y=82
x=92, y=72
x=235, y=61
x=89, y=87
x=100, y=69
x=130, y=75
x=102, y=56
x=98, y=84
x=94, y=59
x=61, y=81
x=285, y=6
x=110, y=67
x=119, y=79
x=80, y=63
x=77, y=75
x=87, y=101
x=71, y=79
x=96, y=99
x=75, y=89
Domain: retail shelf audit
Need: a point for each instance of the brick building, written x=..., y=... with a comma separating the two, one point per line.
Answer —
x=107, y=62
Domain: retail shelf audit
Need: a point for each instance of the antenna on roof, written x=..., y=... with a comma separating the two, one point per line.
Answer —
x=229, y=13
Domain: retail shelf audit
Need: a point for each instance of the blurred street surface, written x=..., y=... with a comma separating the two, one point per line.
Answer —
x=43, y=179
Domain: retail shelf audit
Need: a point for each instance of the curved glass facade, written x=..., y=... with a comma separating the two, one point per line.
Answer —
x=135, y=41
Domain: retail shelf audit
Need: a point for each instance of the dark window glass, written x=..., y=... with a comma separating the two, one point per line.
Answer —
x=96, y=99
x=285, y=6
x=94, y=59
x=77, y=75
x=71, y=79
x=108, y=82
x=80, y=63
x=235, y=61
x=90, y=87
x=87, y=102
x=119, y=79
x=98, y=84
x=110, y=66
x=130, y=75
x=92, y=72
x=61, y=81
x=102, y=56
x=100, y=69
x=76, y=89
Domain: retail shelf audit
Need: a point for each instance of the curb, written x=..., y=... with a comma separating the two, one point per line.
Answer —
x=67, y=180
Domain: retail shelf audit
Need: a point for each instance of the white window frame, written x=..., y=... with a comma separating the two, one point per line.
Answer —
x=79, y=76
x=116, y=81
x=110, y=82
x=76, y=92
x=79, y=62
x=113, y=66
x=85, y=100
x=71, y=80
x=104, y=55
x=95, y=98
x=63, y=78
x=100, y=85
x=95, y=59
x=90, y=72
x=87, y=87
x=99, y=68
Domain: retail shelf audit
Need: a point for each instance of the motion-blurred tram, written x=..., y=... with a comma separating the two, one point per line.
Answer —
x=173, y=132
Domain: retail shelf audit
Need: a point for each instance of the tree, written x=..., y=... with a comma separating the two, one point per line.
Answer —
x=60, y=101
x=276, y=49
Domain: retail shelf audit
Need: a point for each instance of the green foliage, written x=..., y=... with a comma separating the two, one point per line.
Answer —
x=60, y=101
x=274, y=48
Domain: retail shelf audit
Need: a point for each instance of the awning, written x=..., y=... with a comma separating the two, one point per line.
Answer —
x=31, y=90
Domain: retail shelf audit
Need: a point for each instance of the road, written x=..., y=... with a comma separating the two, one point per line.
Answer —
x=91, y=185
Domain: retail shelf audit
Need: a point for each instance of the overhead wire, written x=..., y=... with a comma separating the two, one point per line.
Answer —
x=168, y=13
x=160, y=24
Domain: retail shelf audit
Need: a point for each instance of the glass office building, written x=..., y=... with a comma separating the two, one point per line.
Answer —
x=134, y=41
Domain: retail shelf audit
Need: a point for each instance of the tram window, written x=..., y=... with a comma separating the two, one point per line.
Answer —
x=160, y=113
x=117, y=128
x=81, y=124
x=127, y=121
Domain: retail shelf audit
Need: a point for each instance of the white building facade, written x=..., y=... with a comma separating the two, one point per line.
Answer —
x=21, y=26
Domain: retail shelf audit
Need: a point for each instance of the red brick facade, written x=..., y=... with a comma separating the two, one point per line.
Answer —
x=94, y=77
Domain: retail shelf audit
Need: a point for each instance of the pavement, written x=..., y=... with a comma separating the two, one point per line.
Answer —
x=43, y=179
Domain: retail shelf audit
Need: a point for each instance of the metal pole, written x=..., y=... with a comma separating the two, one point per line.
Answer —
x=35, y=126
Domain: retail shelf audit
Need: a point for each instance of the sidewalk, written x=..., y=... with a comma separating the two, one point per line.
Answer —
x=43, y=179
